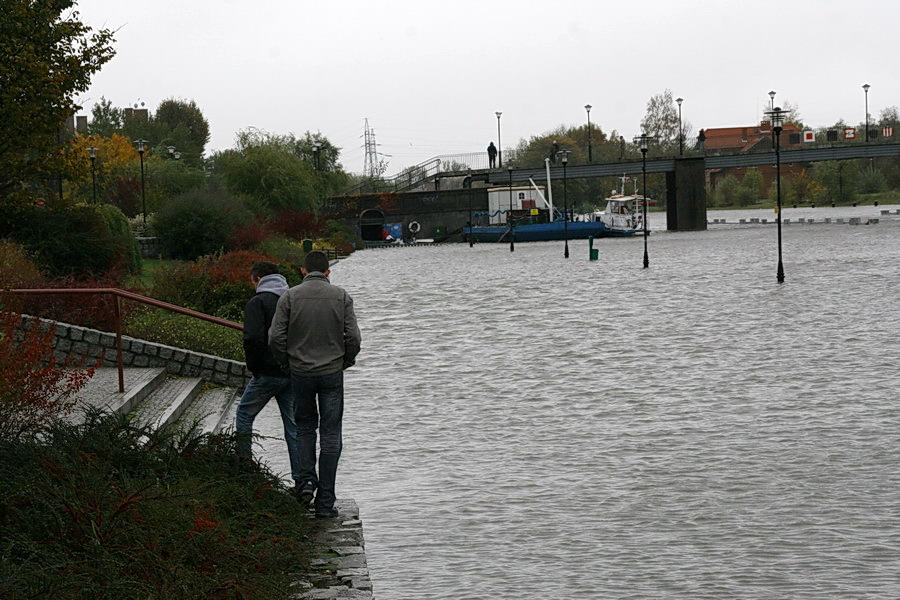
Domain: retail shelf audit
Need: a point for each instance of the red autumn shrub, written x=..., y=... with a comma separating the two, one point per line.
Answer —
x=298, y=225
x=34, y=388
x=249, y=236
x=88, y=310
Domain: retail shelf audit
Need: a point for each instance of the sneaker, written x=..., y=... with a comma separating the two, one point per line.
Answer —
x=304, y=492
x=323, y=512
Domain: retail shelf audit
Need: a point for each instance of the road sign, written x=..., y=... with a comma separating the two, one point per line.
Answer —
x=849, y=133
x=809, y=136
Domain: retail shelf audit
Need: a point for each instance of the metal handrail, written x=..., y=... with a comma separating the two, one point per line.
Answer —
x=118, y=294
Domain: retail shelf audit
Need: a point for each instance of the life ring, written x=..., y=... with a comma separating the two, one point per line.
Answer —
x=414, y=227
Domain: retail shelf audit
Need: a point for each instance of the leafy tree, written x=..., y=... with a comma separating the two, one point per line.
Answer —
x=750, y=190
x=181, y=124
x=114, y=154
x=106, y=119
x=837, y=179
x=801, y=188
x=280, y=171
x=661, y=121
x=48, y=58
x=727, y=191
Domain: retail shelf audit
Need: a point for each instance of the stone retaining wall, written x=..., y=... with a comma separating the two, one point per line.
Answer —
x=91, y=343
x=149, y=246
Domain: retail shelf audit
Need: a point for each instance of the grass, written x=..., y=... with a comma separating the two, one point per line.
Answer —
x=144, y=279
x=87, y=511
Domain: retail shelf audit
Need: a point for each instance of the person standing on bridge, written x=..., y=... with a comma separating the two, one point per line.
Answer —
x=492, y=155
x=315, y=335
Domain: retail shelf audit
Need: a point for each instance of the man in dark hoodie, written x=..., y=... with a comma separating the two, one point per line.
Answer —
x=315, y=335
x=268, y=377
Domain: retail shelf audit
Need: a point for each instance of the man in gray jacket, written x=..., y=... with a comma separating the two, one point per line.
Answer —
x=314, y=334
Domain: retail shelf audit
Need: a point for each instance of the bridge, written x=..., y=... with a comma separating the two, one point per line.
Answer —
x=450, y=208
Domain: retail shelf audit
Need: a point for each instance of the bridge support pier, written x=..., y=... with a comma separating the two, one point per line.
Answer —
x=686, y=196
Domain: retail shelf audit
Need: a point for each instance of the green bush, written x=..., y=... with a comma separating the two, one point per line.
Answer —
x=70, y=240
x=199, y=223
x=112, y=510
x=120, y=230
x=185, y=332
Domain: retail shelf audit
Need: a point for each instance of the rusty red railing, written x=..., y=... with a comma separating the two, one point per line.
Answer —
x=119, y=295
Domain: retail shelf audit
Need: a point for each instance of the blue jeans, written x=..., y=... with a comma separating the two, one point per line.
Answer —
x=319, y=404
x=257, y=394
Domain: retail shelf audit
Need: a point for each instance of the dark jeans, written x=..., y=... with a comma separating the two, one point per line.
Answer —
x=259, y=391
x=319, y=404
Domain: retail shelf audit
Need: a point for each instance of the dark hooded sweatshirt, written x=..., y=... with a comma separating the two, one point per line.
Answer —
x=257, y=319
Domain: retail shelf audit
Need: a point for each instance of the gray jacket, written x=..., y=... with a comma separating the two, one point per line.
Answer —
x=314, y=330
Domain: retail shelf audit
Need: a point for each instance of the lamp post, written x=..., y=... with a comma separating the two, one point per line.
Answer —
x=499, y=145
x=564, y=157
x=588, y=107
x=315, y=148
x=772, y=100
x=866, y=89
x=509, y=219
x=644, y=142
x=777, y=117
x=680, y=130
x=92, y=151
x=469, y=179
x=141, y=148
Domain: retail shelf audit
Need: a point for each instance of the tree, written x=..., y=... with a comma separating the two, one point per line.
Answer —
x=280, y=171
x=661, y=121
x=106, y=119
x=181, y=124
x=837, y=179
x=47, y=60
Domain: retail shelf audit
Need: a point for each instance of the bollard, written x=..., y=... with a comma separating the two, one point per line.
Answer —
x=593, y=254
x=307, y=245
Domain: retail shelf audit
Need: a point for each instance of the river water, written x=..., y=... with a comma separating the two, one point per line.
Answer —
x=520, y=425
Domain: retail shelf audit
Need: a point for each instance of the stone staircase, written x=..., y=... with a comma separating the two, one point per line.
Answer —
x=160, y=399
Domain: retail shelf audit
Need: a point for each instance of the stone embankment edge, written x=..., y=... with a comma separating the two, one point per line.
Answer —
x=341, y=569
x=75, y=340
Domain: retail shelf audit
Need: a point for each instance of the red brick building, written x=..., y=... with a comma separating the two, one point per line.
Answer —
x=756, y=138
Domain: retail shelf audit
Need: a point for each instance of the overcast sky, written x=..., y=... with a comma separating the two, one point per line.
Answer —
x=429, y=75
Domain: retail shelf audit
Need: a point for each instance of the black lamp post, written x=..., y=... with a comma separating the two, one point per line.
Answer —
x=772, y=100
x=588, y=107
x=499, y=145
x=866, y=89
x=469, y=179
x=141, y=148
x=315, y=148
x=680, y=130
x=92, y=151
x=509, y=219
x=777, y=117
x=564, y=157
x=644, y=142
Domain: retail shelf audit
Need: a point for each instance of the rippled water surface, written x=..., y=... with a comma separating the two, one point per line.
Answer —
x=524, y=426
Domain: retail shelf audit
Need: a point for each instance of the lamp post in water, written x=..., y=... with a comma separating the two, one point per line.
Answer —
x=509, y=220
x=866, y=90
x=469, y=180
x=564, y=158
x=92, y=151
x=643, y=141
x=141, y=148
x=776, y=115
x=588, y=107
x=499, y=145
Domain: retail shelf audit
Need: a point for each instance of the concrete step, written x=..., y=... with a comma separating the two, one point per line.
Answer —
x=157, y=399
x=102, y=391
x=213, y=409
x=168, y=401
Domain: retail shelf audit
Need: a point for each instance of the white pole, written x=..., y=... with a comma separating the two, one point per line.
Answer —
x=549, y=189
